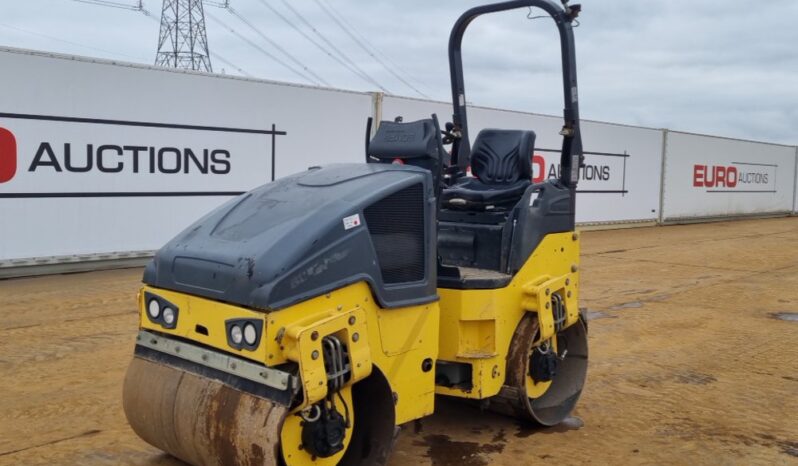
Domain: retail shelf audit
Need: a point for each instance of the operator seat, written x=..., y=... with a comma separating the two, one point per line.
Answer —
x=502, y=168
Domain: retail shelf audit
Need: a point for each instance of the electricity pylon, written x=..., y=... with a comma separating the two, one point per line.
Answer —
x=183, y=41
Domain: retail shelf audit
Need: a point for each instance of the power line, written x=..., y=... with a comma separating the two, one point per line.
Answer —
x=311, y=39
x=366, y=48
x=367, y=43
x=139, y=6
x=218, y=57
x=262, y=50
x=147, y=13
x=70, y=42
x=332, y=46
x=278, y=47
x=124, y=6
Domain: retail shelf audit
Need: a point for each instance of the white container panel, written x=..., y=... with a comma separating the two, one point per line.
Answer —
x=117, y=158
x=711, y=177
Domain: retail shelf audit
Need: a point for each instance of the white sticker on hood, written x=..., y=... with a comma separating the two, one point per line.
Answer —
x=351, y=222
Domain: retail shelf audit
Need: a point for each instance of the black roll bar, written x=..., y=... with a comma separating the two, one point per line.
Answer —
x=571, y=157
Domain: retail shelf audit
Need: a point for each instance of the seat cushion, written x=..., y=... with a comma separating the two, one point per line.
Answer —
x=472, y=194
x=502, y=157
x=502, y=168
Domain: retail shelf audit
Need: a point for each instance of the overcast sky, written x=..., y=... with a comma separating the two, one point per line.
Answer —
x=712, y=67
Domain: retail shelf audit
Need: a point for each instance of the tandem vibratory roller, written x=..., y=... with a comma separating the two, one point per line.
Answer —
x=303, y=322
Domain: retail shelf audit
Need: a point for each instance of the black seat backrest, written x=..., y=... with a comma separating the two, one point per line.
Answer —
x=501, y=156
x=415, y=143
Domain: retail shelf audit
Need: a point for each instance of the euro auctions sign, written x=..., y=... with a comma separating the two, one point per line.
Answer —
x=736, y=177
x=707, y=177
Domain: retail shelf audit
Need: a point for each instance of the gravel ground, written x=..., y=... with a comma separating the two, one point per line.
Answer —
x=693, y=360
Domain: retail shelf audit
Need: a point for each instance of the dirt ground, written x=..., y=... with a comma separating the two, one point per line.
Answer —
x=693, y=360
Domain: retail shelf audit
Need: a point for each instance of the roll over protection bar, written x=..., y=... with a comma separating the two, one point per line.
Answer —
x=571, y=157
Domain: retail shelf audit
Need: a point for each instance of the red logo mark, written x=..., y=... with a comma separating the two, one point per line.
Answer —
x=8, y=155
x=714, y=176
x=538, y=168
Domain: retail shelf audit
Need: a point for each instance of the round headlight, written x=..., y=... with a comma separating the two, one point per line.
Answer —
x=250, y=334
x=168, y=315
x=236, y=334
x=153, y=308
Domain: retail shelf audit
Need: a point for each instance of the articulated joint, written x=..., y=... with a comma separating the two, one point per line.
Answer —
x=554, y=301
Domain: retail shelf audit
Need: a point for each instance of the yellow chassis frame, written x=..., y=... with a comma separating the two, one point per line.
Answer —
x=466, y=326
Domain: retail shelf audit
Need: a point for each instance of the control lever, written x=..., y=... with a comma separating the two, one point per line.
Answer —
x=449, y=135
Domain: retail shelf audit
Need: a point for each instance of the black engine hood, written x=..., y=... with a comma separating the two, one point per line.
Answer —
x=295, y=238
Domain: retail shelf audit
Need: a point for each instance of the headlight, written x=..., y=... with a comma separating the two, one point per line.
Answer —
x=250, y=334
x=168, y=315
x=161, y=311
x=244, y=334
x=236, y=334
x=154, y=308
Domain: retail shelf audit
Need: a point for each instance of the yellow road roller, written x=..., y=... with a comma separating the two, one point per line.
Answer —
x=305, y=321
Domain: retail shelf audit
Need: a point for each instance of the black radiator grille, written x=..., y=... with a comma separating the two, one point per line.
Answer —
x=396, y=224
